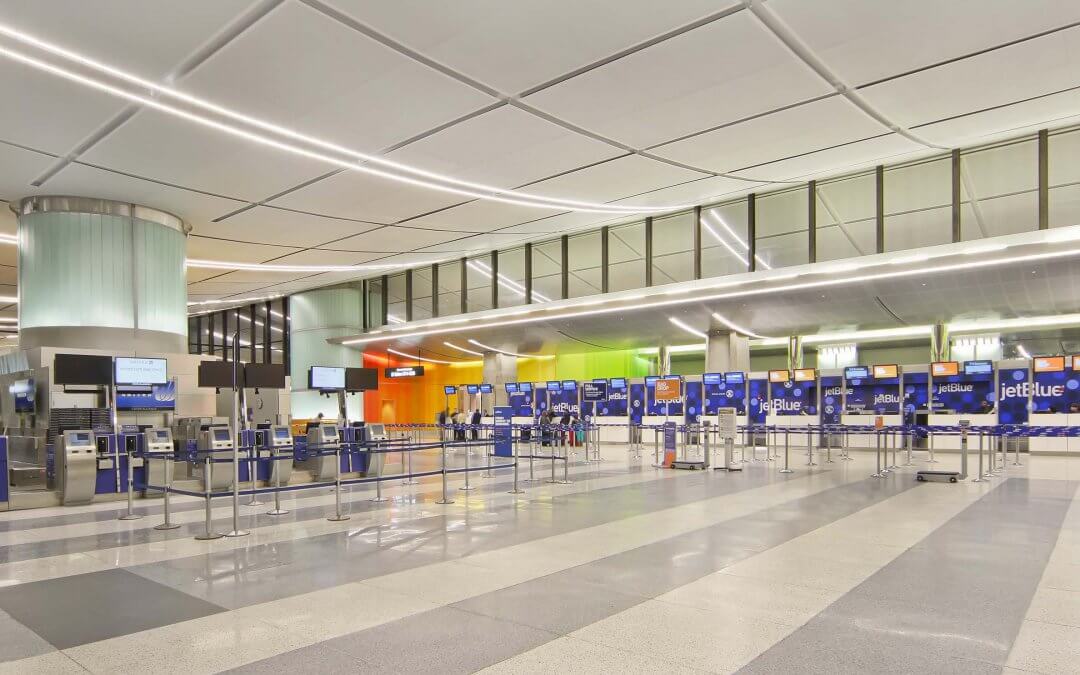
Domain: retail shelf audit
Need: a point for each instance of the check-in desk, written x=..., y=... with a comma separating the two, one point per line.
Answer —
x=1049, y=444
x=952, y=441
x=866, y=440
x=612, y=429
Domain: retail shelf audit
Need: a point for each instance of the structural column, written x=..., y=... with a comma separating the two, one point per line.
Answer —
x=101, y=274
x=316, y=316
x=498, y=370
x=726, y=351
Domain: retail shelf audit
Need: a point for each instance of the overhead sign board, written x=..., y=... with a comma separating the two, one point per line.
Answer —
x=487, y=389
x=735, y=378
x=856, y=373
x=554, y=385
x=511, y=387
x=805, y=374
x=1048, y=364
x=472, y=388
x=978, y=367
x=594, y=392
x=404, y=371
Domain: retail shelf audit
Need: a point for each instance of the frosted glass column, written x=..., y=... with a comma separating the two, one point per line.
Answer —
x=101, y=274
x=314, y=317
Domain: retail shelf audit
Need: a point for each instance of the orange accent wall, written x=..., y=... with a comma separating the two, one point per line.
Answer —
x=416, y=399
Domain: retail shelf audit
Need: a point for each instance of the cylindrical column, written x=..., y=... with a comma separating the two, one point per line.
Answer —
x=315, y=316
x=94, y=273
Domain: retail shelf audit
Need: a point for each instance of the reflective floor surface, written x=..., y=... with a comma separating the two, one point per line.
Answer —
x=627, y=568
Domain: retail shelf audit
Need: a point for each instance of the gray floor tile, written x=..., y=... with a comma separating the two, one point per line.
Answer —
x=75, y=610
x=445, y=640
x=18, y=642
x=314, y=659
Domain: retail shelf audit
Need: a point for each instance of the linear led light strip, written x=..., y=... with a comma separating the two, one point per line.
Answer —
x=966, y=265
x=735, y=327
x=260, y=267
x=462, y=349
x=505, y=282
x=481, y=345
x=467, y=188
x=420, y=358
x=688, y=329
x=745, y=246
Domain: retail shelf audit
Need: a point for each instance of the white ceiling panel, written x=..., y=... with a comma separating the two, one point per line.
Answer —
x=696, y=192
x=393, y=240
x=477, y=243
x=505, y=147
x=1007, y=122
x=516, y=45
x=842, y=159
x=559, y=224
x=8, y=223
x=324, y=257
x=618, y=179
x=1014, y=73
x=482, y=216
x=863, y=41
x=781, y=134
x=712, y=75
x=351, y=194
x=17, y=168
x=223, y=288
x=202, y=248
x=278, y=226
x=195, y=208
x=331, y=82
x=163, y=147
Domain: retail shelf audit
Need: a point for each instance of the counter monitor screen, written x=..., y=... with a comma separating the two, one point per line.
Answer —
x=472, y=388
x=132, y=370
x=712, y=378
x=221, y=434
x=218, y=374
x=81, y=438
x=1076, y=362
x=650, y=380
x=805, y=374
x=376, y=430
x=329, y=433
x=449, y=391
x=525, y=386
x=511, y=387
x=735, y=378
x=618, y=383
x=326, y=378
x=569, y=385
x=779, y=376
x=944, y=368
x=887, y=371
x=487, y=389
x=856, y=373
x=978, y=367
x=554, y=386
x=1048, y=364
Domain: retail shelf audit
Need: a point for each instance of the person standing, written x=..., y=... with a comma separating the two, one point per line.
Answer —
x=475, y=422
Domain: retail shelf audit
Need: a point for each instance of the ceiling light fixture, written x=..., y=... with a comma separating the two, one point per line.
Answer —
x=462, y=349
x=568, y=311
x=358, y=159
x=394, y=319
x=688, y=329
x=270, y=267
x=236, y=301
x=745, y=246
x=736, y=327
x=417, y=357
x=489, y=348
x=1023, y=352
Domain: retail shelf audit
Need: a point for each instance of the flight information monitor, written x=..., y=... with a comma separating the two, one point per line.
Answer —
x=135, y=371
x=735, y=378
x=712, y=378
x=978, y=367
x=856, y=372
x=326, y=378
x=554, y=386
x=487, y=389
x=525, y=386
x=449, y=391
x=472, y=388
x=511, y=387
x=1048, y=364
x=618, y=383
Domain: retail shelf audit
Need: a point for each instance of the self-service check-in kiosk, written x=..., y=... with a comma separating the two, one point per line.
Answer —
x=323, y=440
x=219, y=443
x=79, y=463
x=375, y=436
x=158, y=440
x=276, y=440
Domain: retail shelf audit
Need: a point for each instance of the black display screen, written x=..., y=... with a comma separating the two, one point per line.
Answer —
x=264, y=375
x=219, y=374
x=82, y=369
x=361, y=379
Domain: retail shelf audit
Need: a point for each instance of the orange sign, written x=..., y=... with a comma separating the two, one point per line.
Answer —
x=944, y=368
x=805, y=374
x=668, y=389
x=882, y=372
x=879, y=422
x=779, y=375
x=1048, y=364
x=1076, y=362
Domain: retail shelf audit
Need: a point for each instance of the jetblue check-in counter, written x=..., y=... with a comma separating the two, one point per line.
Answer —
x=718, y=390
x=792, y=398
x=869, y=392
x=961, y=392
x=611, y=415
x=1052, y=392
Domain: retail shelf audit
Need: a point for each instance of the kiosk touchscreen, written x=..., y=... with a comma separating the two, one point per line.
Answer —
x=78, y=474
x=218, y=442
x=322, y=440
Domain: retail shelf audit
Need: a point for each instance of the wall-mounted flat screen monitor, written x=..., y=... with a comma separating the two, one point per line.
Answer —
x=135, y=370
x=650, y=380
x=487, y=389
x=84, y=369
x=449, y=391
x=361, y=379
x=511, y=387
x=219, y=374
x=712, y=378
x=779, y=375
x=569, y=385
x=735, y=378
x=618, y=383
x=264, y=375
x=326, y=378
x=856, y=373
x=886, y=371
x=805, y=374
x=525, y=386
x=944, y=368
x=554, y=386
x=1048, y=364
x=472, y=388
x=978, y=367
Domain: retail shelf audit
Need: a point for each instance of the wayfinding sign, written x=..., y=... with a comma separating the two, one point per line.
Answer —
x=594, y=392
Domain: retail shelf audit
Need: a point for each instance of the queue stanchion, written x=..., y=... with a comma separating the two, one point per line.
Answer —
x=338, y=517
x=466, y=487
x=514, y=441
x=168, y=524
x=378, y=475
x=277, y=510
x=409, y=480
x=208, y=475
x=980, y=477
x=828, y=446
x=130, y=515
x=992, y=451
x=533, y=440
x=810, y=446
x=846, y=453
x=445, y=498
x=877, y=454
x=253, y=468
x=566, y=466
x=553, y=446
x=892, y=442
x=787, y=453
x=930, y=446
x=1016, y=451
x=963, y=453
x=909, y=440
x=487, y=472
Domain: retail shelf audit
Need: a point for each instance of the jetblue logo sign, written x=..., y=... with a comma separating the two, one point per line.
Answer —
x=954, y=387
x=1025, y=389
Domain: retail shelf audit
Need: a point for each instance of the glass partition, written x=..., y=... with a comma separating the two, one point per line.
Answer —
x=999, y=188
x=449, y=290
x=781, y=227
x=395, y=298
x=512, y=277
x=1064, y=180
x=478, y=277
x=373, y=303
x=583, y=256
x=547, y=271
x=846, y=217
x=724, y=237
x=421, y=293
x=673, y=248
x=626, y=257
x=918, y=204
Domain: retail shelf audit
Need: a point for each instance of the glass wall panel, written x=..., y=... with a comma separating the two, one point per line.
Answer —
x=1064, y=168
x=395, y=299
x=673, y=248
x=999, y=188
x=421, y=293
x=724, y=242
x=918, y=205
x=583, y=255
x=450, y=288
x=547, y=271
x=192, y=333
x=626, y=257
x=277, y=331
x=512, y=277
x=846, y=209
x=478, y=277
x=373, y=303
x=781, y=224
